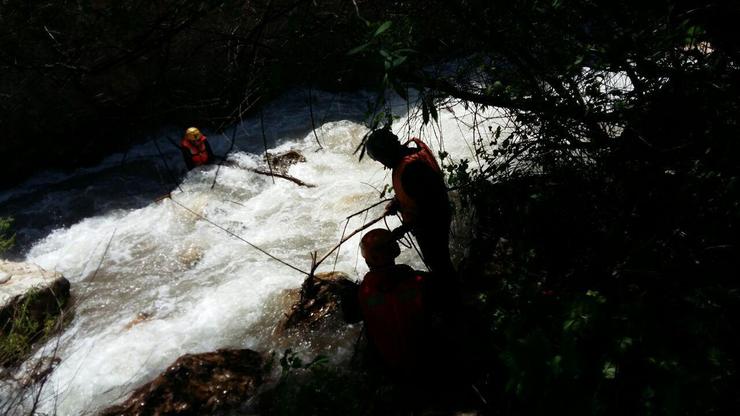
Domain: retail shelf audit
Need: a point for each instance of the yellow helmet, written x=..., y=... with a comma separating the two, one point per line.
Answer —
x=192, y=132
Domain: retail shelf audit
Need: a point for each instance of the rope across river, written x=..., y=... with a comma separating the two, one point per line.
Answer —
x=231, y=233
x=315, y=263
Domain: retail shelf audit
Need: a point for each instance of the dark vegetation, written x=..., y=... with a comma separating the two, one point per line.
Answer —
x=81, y=79
x=603, y=274
x=30, y=321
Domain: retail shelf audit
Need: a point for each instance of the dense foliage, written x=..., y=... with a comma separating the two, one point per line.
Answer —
x=603, y=277
x=83, y=78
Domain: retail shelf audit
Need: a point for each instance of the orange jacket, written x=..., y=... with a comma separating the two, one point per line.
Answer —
x=198, y=150
x=409, y=207
x=391, y=300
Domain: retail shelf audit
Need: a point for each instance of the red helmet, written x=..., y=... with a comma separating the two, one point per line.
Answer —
x=379, y=248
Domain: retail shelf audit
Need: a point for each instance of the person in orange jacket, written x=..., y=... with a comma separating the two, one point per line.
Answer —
x=421, y=196
x=391, y=298
x=195, y=148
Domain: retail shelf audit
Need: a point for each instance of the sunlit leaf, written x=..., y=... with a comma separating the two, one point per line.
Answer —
x=385, y=26
x=358, y=49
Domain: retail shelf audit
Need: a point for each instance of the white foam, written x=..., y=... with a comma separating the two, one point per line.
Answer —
x=201, y=287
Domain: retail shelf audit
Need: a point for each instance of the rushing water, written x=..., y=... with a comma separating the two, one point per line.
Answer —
x=196, y=287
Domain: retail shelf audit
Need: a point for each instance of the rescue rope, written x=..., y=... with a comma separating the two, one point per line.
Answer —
x=325, y=256
x=240, y=238
x=336, y=258
x=169, y=196
x=346, y=223
x=357, y=251
x=105, y=253
x=166, y=166
x=221, y=162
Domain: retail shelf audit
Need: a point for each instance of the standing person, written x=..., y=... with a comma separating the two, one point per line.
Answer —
x=421, y=196
x=195, y=148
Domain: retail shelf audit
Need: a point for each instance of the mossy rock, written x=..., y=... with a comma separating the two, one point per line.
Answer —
x=31, y=303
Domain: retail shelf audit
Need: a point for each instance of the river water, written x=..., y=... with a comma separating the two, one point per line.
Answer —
x=152, y=281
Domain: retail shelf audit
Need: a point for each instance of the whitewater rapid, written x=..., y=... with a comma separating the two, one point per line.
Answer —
x=152, y=281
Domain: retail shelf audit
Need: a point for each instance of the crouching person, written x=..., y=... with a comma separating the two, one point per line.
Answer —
x=392, y=302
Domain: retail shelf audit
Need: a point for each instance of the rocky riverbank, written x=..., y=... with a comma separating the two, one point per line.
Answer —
x=31, y=301
x=239, y=379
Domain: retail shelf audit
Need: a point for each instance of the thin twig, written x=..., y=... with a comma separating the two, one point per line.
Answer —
x=279, y=175
x=336, y=258
x=233, y=139
x=264, y=141
x=172, y=142
x=370, y=207
x=313, y=123
x=105, y=253
x=166, y=166
x=313, y=267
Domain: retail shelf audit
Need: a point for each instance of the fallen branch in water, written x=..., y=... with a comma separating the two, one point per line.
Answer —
x=286, y=177
x=165, y=196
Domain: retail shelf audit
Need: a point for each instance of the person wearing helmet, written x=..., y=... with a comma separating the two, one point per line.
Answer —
x=421, y=196
x=195, y=148
x=392, y=303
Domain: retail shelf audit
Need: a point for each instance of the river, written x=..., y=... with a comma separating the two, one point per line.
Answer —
x=197, y=287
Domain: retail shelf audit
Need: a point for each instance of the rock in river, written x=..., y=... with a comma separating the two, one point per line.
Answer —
x=322, y=296
x=26, y=288
x=197, y=384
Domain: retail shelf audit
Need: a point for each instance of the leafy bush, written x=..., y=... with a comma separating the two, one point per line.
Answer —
x=603, y=274
x=25, y=327
x=7, y=240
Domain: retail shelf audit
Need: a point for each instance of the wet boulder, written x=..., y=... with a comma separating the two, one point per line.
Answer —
x=280, y=162
x=324, y=296
x=198, y=384
x=31, y=299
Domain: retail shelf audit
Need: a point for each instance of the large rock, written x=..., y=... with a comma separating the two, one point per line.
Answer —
x=197, y=384
x=323, y=296
x=29, y=290
x=282, y=161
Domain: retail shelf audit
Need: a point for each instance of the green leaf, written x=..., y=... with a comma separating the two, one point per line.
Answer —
x=318, y=361
x=609, y=371
x=399, y=60
x=568, y=324
x=358, y=49
x=385, y=26
x=625, y=343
